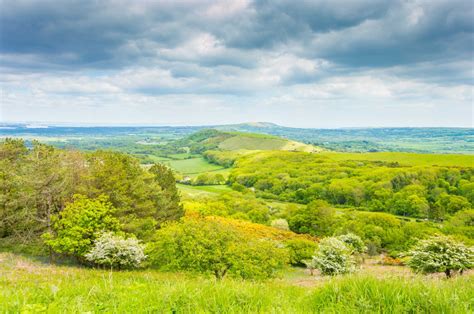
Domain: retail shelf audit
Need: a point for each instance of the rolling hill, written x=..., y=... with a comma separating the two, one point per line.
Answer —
x=236, y=141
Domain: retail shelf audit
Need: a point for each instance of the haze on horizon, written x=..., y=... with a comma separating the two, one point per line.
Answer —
x=313, y=64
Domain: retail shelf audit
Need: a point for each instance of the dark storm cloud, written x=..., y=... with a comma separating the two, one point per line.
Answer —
x=115, y=34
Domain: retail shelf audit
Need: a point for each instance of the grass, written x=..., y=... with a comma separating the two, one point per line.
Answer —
x=191, y=190
x=193, y=166
x=410, y=159
x=32, y=287
x=252, y=142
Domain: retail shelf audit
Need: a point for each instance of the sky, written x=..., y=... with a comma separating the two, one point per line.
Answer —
x=320, y=63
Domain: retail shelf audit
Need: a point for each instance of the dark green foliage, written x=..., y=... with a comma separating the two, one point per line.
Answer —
x=37, y=183
x=170, y=207
x=317, y=218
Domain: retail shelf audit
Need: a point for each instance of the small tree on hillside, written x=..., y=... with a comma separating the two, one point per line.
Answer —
x=76, y=228
x=441, y=254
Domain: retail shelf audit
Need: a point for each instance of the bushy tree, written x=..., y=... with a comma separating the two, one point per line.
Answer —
x=333, y=257
x=317, y=218
x=114, y=251
x=207, y=246
x=76, y=228
x=441, y=254
x=300, y=250
x=169, y=205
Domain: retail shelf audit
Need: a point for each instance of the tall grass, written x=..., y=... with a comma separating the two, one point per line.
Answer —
x=61, y=289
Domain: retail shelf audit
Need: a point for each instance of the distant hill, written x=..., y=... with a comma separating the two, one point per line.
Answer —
x=232, y=141
x=416, y=140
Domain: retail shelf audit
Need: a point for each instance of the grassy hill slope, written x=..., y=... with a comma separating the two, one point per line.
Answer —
x=408, y=159
x=233, y=141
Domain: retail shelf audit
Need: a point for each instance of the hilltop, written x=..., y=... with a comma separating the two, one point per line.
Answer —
x=213, y=139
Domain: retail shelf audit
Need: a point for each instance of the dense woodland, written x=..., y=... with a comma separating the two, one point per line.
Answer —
x=423, y=192
x=37, y=183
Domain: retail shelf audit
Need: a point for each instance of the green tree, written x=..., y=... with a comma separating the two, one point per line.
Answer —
x=300, y=250
x=317, y=218
x=81, y=222
x=207, y=246
x=170, y=204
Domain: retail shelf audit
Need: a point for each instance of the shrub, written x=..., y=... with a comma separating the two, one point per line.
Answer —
x=116, y=252
x=280, y=224
x=333, y=257
x=353, y=242
x=300, y=250
x=207, y=246
x=441, y=254
x=391, y=261
x=79, y=224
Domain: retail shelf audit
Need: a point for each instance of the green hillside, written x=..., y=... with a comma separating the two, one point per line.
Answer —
x=231, y=141
x=408, y=159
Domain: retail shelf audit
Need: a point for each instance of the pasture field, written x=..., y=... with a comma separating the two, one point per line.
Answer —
x=29, y=286
x=192, y=166
x=262, y=142
x=191, y=190
x=409, y=159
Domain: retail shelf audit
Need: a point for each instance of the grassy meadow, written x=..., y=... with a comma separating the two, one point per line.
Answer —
x=408, y=159
x=192, y=166
x=30, y=286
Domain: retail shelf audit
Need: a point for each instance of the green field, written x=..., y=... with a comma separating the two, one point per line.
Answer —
x=193, y=166
x=411, y=159
x=191, y=190
x=262, y=142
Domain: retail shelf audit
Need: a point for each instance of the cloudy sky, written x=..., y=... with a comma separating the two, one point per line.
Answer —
x=320, y=63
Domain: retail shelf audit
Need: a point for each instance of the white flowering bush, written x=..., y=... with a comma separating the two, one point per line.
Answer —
x=280, y=224
x=116, y=252
x=441, y=254
x=354, y=242
x=333, y=257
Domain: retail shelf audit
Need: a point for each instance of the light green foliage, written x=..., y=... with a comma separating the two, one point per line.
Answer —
x=192, y=166
x=81, y=222
x=208, y=178
x=300, y=250
x=422, y=191
x=231, y=204
x=461, y=224
x=45, y=289
x=333, y=257
x=209, y=247
x=408, y=159
x=114, y=251
x=441, y=254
